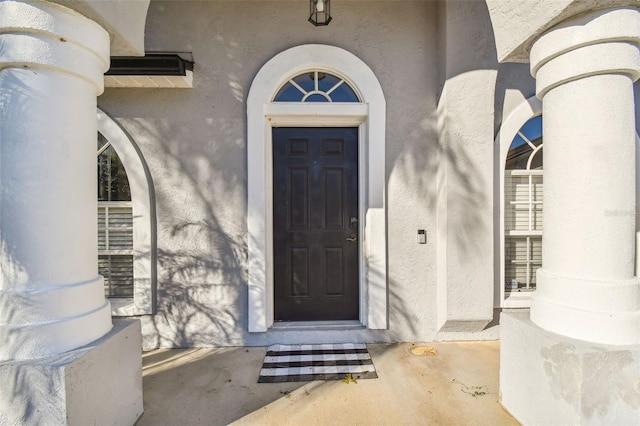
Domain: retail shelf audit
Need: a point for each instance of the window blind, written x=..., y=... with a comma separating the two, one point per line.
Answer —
x=115, y=247
x=523, y=228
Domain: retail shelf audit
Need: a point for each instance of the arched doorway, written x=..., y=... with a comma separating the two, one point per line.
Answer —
x=268, y=108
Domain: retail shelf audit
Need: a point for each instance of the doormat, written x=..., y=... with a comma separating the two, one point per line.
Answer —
x=304, y=363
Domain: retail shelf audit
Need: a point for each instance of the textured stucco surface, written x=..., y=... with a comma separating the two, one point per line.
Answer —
x=52, y=62
x=123, y=19
x=465, y=177
x=577, y=382
x=100, y=383
x=194, y=142
x=446, y=96
x=517, y=24
x=589, y=294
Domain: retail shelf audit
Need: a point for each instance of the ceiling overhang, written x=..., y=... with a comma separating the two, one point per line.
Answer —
x=154, y=70
x=124, y=20
x=518, y=24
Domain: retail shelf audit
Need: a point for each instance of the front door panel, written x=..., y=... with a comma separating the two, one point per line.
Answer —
x=315, y=224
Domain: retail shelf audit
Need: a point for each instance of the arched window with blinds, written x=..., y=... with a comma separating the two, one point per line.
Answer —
x=126, y=221
x=115, y=223
x=523, y=204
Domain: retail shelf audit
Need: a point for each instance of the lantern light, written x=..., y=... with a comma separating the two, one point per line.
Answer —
x=319, y=12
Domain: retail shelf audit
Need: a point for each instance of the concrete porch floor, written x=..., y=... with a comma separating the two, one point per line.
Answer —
x=218, y=386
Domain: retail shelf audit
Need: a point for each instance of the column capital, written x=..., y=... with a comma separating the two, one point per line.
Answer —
x=601, y=42
x=43, y=35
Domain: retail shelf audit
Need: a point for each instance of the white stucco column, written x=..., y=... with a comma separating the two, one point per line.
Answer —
x=52, y=61
x=584, y=70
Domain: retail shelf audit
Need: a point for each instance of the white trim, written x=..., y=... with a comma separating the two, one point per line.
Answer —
x=369, y=117
x=637, y=269
x=528, y=109
x=523, y=172
x=316, y=90
x=141, y=197
x=149, y=81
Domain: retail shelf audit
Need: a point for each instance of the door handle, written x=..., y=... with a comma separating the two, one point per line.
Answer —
x=352, y=238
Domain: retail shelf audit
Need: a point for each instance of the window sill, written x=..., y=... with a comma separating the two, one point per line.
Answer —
x=127, y=307
x=520, y=299
x=122, y=307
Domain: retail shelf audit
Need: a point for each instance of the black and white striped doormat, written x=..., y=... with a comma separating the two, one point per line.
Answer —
x=302, y=363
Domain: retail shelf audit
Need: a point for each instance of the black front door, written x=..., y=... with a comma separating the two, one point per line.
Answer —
x=315, y=224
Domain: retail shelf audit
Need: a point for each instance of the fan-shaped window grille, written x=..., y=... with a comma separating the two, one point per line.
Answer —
x=316, y=86
x=523, y=207
x=115, y=223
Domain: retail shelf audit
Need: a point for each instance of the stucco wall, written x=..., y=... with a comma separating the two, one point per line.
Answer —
x=195, y=144
x=446, y=96
x=466, y=130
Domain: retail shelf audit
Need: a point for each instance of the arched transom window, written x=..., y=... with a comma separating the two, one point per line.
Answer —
x=316, y=86
x=523, y=208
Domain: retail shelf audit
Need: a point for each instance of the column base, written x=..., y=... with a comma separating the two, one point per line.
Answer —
x=546, y=378
x=607, y=312
x=100, y=383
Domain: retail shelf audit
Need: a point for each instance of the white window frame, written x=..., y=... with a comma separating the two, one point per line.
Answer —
x=144, y=253
x=527, y=110
x=107, y=229
x=316, y=91
x=369, y=116
x=530, y=232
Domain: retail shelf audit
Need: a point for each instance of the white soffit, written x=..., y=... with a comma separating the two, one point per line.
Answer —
x=150, y=81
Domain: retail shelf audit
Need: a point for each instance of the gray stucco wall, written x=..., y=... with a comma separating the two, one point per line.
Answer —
x=195, y=144
x=465, y=175
x=437, y=67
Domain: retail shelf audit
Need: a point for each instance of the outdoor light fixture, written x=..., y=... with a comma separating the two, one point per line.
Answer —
x=319, y=12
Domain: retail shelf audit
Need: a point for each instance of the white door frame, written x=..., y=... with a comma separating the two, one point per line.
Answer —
x=369, y=116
